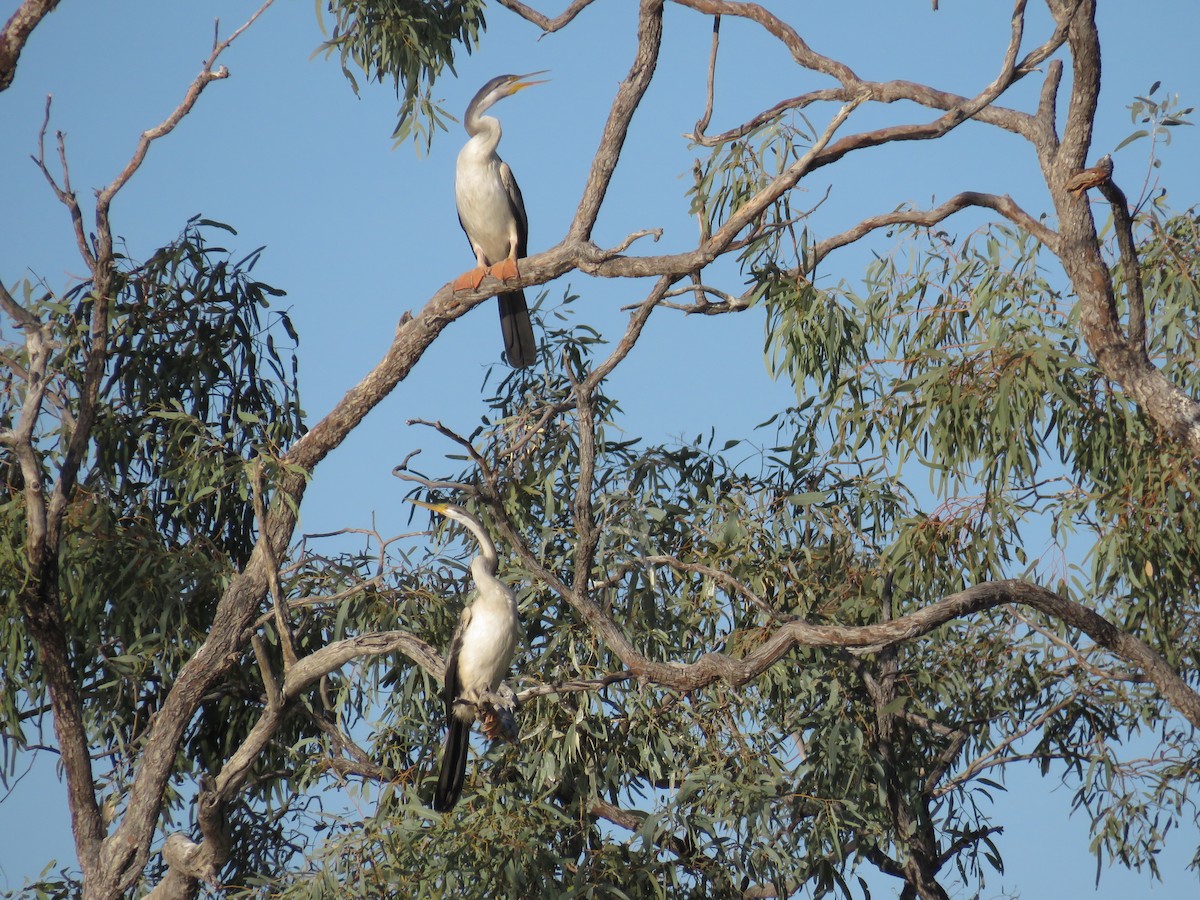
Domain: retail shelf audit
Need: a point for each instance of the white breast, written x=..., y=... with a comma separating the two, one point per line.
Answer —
x=487, y=649
x=483, y=205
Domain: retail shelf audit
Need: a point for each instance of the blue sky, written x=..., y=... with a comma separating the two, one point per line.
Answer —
x=357, y=231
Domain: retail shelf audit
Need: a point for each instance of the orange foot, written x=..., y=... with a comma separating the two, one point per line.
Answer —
x=505, y=270
x=489, y=723
x=469, y=281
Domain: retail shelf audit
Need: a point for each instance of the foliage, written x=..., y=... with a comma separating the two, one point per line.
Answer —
x=197, y=396
x=1159, y=115
x=794, y=778
x=954, y=427
x=408, y=42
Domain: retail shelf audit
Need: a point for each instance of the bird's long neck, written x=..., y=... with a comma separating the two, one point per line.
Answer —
x=485, y=132
x=485, y=563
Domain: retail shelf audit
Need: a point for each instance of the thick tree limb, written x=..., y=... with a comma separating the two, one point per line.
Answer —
x=16, y=32
x=1134, y=295
x=1121, y=356
x=616, y=128
x=191, y=862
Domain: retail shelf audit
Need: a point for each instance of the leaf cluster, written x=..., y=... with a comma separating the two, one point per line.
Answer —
x=959, y=359
x=407, y=42
x=197, y=394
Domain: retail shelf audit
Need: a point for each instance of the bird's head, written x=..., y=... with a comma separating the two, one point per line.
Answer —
x=507, y=85
x=500, y=87
x=449, y=510
x=487, y=547
x=456, y=514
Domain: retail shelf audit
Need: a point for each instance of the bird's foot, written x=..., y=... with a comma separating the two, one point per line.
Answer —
x=498, y=723
x=495, y=713
x=505, y=270
x=469, y=281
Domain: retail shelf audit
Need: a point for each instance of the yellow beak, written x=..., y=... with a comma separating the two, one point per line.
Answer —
x=519, y=82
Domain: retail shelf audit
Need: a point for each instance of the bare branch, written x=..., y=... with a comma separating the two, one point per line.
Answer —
x=1132, y=270
x=545, y=22
x=16, y=32
x=928, y=218
x=586, y=685
x=629, y=97
x=851, y=86
x=302, y=675
x=828, y=95
x=207, y=75
x=724, y=303
x=706, y=116
x=64, y=193
x=714, y=667
x=1047, y=112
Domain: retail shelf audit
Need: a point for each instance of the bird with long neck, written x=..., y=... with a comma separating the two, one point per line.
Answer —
x=479, y=656
x=492, y=213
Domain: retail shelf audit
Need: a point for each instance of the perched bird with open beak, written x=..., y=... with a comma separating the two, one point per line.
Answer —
x=1095, y=176
x=479, y=654
x=492, y=213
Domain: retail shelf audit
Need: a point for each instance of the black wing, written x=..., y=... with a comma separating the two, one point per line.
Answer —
x=458, y=732
x=520, y=347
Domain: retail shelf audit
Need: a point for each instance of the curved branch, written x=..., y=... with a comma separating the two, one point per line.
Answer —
x=718, y=667
x=544, y=22
x=302, y=675
x=16, y=32
x=188, y=861
x=1012, y=69
x=1005, y=205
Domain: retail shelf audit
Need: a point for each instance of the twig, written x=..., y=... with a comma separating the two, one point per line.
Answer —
x=207, y=75
x=706, y=117
x=586, y=685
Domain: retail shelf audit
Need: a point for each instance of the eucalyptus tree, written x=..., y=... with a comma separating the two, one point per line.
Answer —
x=758, y=667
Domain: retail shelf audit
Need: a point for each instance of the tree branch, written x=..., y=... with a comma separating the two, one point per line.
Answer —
x=545, y=22
x=629, y=97
x=851, y=86
x=713, y=667
x=1134, y=295
x=930, y=217
x=16, y=32
x=1122, y=357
